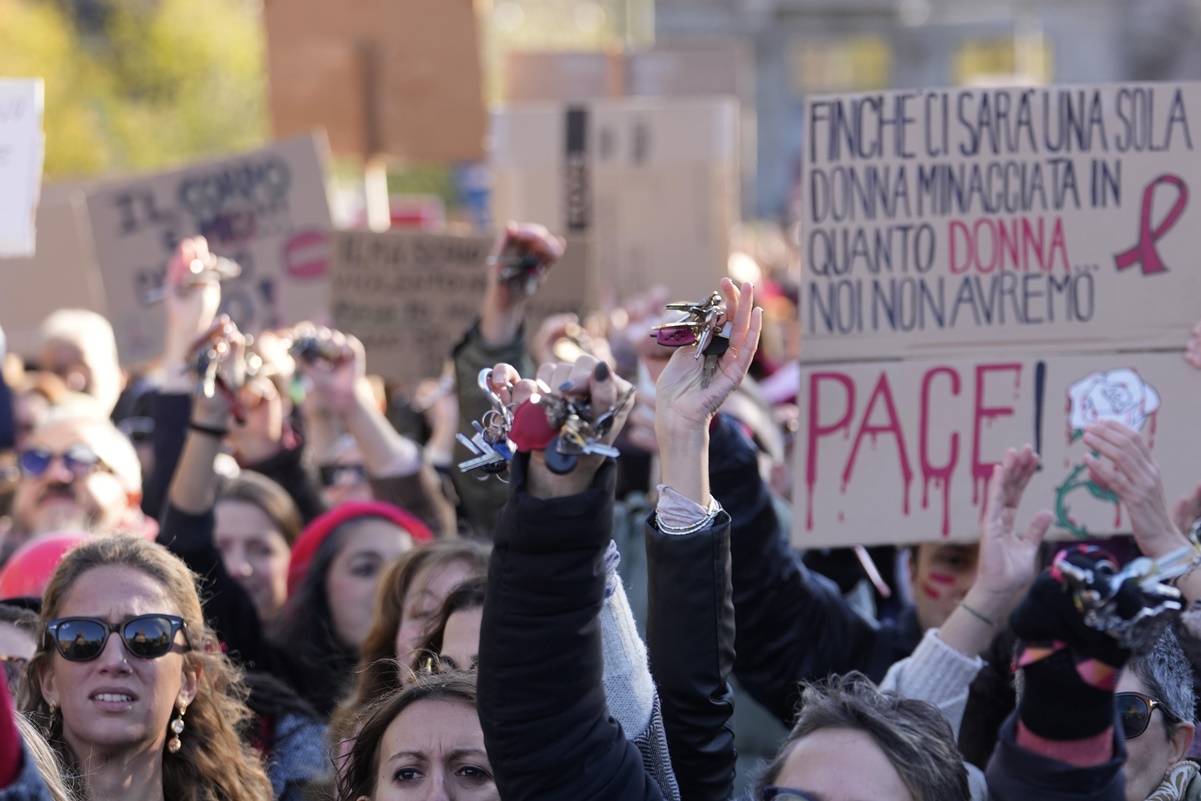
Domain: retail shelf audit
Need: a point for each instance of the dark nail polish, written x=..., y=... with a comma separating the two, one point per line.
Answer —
x=565, y=386
x=601, y=373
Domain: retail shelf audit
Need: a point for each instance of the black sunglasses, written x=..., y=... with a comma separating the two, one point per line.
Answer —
x=341, y=475
x=82, y=639
x=1135, y=711
x=79, y=461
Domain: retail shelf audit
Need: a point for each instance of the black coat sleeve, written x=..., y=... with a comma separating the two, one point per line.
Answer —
x=542, y=705
x=1016, y=774
x=171, y=412
x=690, y=637
x=792, y=624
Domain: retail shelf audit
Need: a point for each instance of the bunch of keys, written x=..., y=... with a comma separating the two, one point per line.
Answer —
x=704, y=326
x=579, y=435
x=491, y=446
x=522, y=270
x=1095, y=593
x=206, y=363
x=217, y=268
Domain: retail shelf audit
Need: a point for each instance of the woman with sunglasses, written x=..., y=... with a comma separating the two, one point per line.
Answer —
x=130, y=686
x=1156, y=701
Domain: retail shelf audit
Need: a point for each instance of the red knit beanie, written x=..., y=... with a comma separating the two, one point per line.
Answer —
x=310, y=539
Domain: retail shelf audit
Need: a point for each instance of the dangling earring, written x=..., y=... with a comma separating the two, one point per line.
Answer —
x=53, y=708
x=173, y=745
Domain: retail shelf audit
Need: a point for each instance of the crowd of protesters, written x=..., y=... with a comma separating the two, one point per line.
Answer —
x=271, y=580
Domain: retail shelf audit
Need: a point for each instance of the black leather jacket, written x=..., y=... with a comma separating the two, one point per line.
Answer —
x=793, y=625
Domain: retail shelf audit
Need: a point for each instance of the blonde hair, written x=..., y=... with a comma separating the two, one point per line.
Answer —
x=45, y=760
x=213, y=764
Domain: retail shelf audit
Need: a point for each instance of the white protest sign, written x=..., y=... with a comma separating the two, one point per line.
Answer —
x=944, y=220
x=267, y=210
x=21, y=154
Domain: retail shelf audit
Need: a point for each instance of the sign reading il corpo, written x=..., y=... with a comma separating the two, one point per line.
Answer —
x=266, y=210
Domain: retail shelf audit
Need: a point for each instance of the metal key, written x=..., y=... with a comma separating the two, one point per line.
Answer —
x=716, y=348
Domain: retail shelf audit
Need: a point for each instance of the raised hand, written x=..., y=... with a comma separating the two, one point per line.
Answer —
x=334, y=363
x=681, y=403
x=585, y=379
x=1007, y=557
x=229, y=346
x=503, y=304
x=192, y=297
x=1129, y=471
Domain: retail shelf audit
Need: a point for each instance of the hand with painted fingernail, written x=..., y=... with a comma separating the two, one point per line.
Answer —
x=587, y=379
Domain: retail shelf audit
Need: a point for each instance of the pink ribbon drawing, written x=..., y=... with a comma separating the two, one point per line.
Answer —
x=1143, y=253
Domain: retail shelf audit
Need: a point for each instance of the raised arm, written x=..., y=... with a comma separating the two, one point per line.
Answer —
x=542, y=706
x=948, y=659
x=337, y=375
x=690, y=624
x=495, y=338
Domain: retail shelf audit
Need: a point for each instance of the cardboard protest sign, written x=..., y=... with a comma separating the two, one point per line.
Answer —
x=1047, y=218
x=652, y=183
x=62, y=274
x=410, y=296
x=266, y=210
x=901, y=451
x=21, y=152
x=398, y=78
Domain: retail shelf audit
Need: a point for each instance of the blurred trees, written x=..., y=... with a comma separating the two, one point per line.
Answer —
x=139, y=84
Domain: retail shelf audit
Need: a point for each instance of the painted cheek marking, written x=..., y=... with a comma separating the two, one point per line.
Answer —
x=942, y=578
x=931, y=592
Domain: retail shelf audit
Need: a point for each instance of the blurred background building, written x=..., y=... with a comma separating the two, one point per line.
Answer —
x=804, y=47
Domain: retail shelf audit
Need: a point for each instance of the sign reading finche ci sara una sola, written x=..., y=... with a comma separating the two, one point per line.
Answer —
x=976, y=264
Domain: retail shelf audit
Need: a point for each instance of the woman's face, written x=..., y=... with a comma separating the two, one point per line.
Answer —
x=434, y=750
x=117, y=701
x=423, y=602
x=461, y=640
x=254, y=553
x=1149, y=755
x=353, y=576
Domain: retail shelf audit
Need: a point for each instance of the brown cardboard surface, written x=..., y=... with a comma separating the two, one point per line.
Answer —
x=394, y=78
x=266, y=209
x=900, y=451
x=61, y=275
x=536, y=76
x=1071, y=223
x=703, y=68
x=653, y=183
x=706, y=68
x=410, y=296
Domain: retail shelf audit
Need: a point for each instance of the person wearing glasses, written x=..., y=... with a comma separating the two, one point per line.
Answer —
x=77, y=473
x=129, y=684
x=1156, y=701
